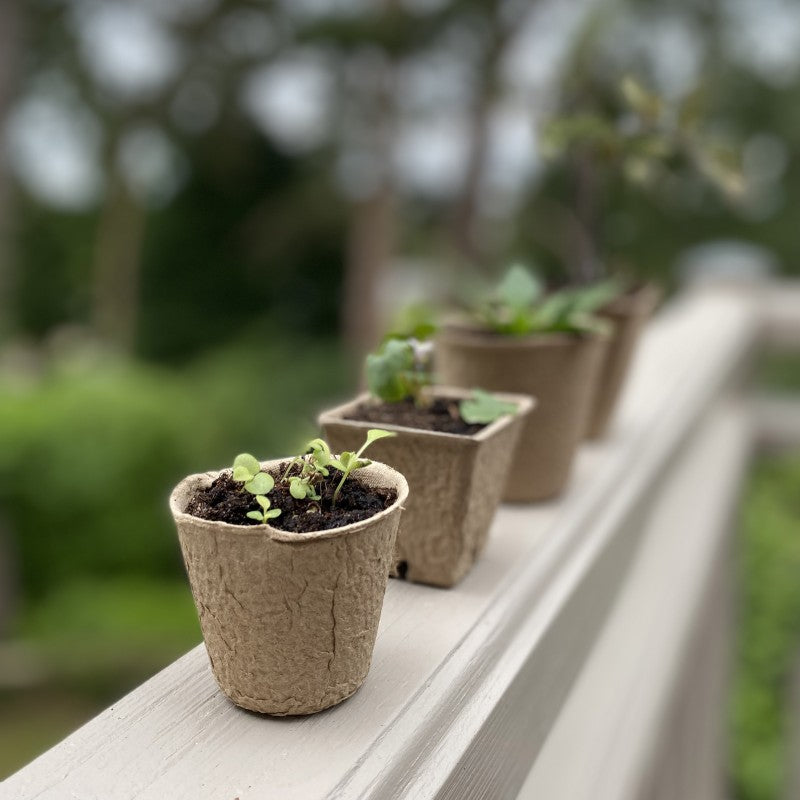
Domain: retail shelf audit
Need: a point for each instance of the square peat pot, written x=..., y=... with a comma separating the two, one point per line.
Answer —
x=455, y=483
x=628, y=314
x=560, y=370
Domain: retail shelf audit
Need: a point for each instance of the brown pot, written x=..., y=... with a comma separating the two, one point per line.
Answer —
x=628, y=313
x=455, y=485
x=289, y=620
x=559, y=370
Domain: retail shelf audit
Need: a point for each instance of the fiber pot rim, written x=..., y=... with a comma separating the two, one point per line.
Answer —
x=525, y=404
x=474, y=333
x=194, y=481
x=641, y=299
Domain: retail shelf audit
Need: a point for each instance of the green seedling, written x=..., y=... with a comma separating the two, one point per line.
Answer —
x=416, y=321
x=590, y=299
x=314, y=465
x=301, y=488
x=348, y=461
x=399, y=370
x=313, y=468
x=482, y=407
x=518, y=306
x=266, y=513
x=315, y=461
x=247, y=470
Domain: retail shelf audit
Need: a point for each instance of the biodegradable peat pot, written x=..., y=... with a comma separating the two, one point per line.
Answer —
x=455, y=482
x=559, y=370
x=628, y=314
x=289, y=619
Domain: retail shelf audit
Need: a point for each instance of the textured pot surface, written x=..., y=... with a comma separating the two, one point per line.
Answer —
x=560, y=371
x=628, y=314
x=289, y=620
x=455, y=483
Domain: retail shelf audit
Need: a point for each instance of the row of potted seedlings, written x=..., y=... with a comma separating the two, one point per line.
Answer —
x=288, y=560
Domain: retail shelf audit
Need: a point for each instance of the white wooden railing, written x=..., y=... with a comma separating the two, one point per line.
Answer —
x=584, y=657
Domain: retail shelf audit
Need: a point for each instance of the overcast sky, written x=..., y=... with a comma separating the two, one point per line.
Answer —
x=127, y=46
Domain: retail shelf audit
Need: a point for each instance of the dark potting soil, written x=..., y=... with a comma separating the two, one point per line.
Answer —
x=440, y=415
x=226, y=500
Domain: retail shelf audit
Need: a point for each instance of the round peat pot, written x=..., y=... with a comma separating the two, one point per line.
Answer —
x=455, y=483
x=289, y=619
x=559, y=370
x=628, y=313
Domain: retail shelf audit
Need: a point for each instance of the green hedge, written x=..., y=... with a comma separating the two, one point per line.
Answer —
x=769, y=628
x=92, y=448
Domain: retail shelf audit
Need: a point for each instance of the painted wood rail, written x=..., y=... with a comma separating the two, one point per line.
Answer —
x=530, y=677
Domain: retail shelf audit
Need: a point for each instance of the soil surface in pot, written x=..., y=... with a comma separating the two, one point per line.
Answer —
x=441, y=415
x=227, y=501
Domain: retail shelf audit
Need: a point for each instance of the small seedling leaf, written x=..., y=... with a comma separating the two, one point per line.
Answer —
x=481, y=408
x=242, y=474
x=317, y=446
x=257, y=515
x=246, y=462
x=373, y=434
x=519, y=288
x=298, y=488
x=262, y=483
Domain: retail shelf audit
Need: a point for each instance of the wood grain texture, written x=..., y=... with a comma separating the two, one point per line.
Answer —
x=453, y=671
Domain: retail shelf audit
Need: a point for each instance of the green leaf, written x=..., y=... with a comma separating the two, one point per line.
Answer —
x=519, y=287
x=481, y=408
x=262, y=483
x=272, y=513
x=646, y=104
x=317, y=446
x=298, y=488
x=337, y=464
x=321, y=459
x=256, y=515
x=241, y=474
x=373, y=434
x=390, y=372
x=246, y=462
x=263, y=502
x=418, y=320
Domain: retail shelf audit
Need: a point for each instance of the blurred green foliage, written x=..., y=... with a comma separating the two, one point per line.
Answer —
x=92, y=444
x=781, y=372
x=769, y=628
x=91, y=448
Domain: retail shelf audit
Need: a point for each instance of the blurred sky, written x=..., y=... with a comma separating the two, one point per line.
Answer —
x=129, y=49
x=55, y=141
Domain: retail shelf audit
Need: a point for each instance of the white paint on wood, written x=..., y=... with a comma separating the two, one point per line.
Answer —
x=456, y=674
x=614, y=721
x=777, y=421
x=780, y=308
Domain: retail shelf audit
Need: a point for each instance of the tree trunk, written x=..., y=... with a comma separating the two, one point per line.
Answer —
x=369, y=249
x=466, y=235
x=115, y=296
x=587, y=190
x=371, y=235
